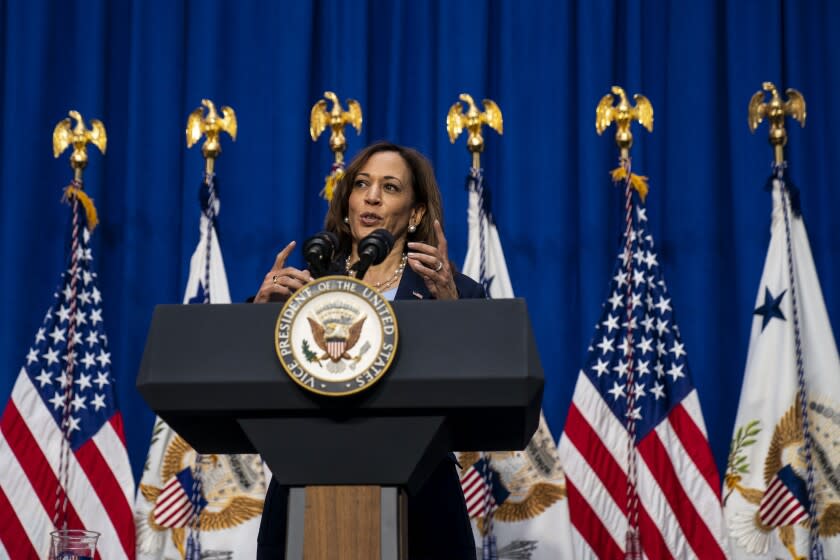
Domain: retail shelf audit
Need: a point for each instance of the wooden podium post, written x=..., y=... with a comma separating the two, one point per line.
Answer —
x=347, y=523
x=342, y=521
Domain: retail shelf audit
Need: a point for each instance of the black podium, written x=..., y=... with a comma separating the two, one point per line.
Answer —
x=466, y=376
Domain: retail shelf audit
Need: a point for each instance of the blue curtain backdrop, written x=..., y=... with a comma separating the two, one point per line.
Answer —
x=142, y=66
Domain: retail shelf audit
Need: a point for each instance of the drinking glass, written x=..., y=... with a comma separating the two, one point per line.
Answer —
x=73, y=544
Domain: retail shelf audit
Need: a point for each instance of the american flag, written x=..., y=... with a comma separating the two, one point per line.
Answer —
x=677, y=484
x=99, y=481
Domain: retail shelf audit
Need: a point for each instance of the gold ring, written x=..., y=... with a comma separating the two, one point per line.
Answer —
x=274, y=280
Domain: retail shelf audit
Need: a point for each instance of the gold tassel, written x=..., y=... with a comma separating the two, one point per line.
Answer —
x=638, y=182
x=90, y=210
x=332, y=181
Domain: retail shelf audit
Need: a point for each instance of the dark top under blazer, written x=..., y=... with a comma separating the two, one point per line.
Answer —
x=438, y=523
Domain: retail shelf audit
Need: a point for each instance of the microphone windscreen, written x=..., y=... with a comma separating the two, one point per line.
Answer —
x=319, y=250
x=377, y=244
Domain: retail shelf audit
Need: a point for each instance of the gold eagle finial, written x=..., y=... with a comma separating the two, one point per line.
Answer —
x=775, y=111
x=210, y=125
x=336, y=119
x=623, y=114
x=64, y=135
x=472, y=120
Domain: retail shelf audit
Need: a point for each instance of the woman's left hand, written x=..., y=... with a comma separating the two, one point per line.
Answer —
x=432, y=264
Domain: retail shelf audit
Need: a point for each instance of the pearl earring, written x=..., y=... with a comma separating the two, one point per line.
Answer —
x=412, y=228
x=346, y=220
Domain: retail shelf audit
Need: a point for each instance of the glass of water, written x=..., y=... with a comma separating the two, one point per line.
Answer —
x=73, y=544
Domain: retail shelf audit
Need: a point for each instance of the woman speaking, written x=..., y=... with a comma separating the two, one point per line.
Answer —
x=394, y=188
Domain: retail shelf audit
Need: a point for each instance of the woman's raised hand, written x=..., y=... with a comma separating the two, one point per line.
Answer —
x=432, y=264
x=281, y=281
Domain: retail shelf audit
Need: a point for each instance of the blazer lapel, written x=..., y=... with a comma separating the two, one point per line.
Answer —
x=412, y=286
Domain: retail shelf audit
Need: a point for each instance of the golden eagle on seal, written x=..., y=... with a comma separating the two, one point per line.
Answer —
x=336, y=339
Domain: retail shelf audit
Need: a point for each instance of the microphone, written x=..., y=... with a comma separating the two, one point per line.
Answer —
x=318, y=251
x=372, y=250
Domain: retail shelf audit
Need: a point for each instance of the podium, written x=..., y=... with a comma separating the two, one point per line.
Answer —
x=466, y=376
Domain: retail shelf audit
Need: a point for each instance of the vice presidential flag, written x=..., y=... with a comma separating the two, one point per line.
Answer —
x=524, y=491
x=654, y=476
x=92, y=471
x=792, y=374
x=226, y=492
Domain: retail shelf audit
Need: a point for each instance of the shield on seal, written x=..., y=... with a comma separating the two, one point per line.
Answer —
x=335, y=347
x=176, y=505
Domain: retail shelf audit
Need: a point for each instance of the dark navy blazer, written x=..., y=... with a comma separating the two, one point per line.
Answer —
x=438, y=524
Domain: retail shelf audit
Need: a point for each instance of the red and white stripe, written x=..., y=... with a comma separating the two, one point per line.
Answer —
x=779, y=507
x=100, y=480
x=173, y=508
x=680, y=512
x=476, y=493
x=335, y=348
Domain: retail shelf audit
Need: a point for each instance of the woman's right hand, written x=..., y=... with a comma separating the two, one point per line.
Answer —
x=281, y=281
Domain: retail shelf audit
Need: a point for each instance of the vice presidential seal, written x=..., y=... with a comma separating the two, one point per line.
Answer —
x=336, y=336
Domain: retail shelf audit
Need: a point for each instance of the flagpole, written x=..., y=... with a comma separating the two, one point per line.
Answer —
x=209, y=125
x=623, y=114
x=473, y=120
x=336, y=119
x=78, y=137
